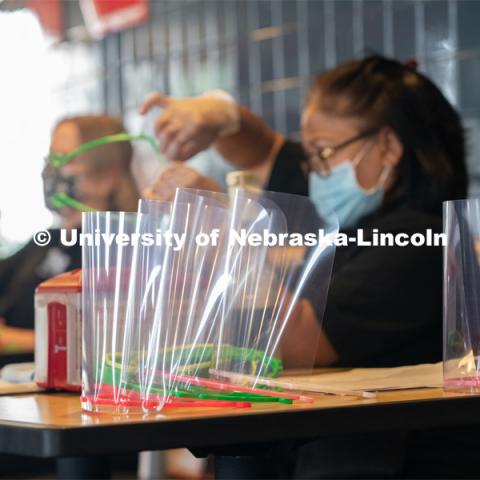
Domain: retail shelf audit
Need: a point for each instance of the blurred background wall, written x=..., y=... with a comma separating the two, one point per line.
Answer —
x=265, y=52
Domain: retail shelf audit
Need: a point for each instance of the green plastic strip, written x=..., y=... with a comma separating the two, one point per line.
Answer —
x=61, y=200
x=111, y=376
x=59, y=160
x=198, y=359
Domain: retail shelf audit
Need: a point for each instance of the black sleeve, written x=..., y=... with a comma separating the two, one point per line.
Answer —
x=19, y=279
x=10, y=265
x=385, y=307
x=290, y=170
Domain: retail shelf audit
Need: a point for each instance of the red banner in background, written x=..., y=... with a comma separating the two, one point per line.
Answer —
x=107, y=16
x=50, y=15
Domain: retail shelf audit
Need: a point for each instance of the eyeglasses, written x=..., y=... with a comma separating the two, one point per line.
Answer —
x=318, y=159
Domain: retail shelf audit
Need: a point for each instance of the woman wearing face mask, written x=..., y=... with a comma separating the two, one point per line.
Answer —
x=382, y=148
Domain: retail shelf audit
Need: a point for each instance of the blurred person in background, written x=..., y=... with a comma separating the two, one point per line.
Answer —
x=382, y=148
x=100, y=178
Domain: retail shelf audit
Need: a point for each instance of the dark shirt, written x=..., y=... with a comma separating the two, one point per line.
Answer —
x=384, y=305
x=21, y=273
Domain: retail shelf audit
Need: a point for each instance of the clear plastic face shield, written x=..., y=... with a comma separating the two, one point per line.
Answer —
x=461, y=302
x=107, y=269
x=171, y=323
x=271, y=280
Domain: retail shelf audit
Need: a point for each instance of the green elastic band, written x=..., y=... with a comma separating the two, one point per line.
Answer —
x=61, y=200
x=59, y=160
x=199, y=359
x=204, y=356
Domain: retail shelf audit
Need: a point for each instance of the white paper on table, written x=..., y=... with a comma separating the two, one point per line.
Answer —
x=374, y=379
x=7, y=388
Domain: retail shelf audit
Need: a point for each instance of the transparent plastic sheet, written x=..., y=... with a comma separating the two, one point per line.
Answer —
x=107, y=310
x=139, y=360
x=121, y=373
x=262, y=303
x=244, y=331
x=199, y=279
x=461, y=309
x=239, y=271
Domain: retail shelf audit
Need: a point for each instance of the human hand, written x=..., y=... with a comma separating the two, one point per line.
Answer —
x=177, y=175
x=190, y=125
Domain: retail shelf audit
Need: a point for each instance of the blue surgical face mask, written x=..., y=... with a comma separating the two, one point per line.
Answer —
x=341, y=194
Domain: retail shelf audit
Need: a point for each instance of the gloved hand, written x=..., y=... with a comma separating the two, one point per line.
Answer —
x=190, y=125
x=177, y=175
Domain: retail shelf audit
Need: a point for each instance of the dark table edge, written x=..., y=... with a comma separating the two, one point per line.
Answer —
x=212, y=432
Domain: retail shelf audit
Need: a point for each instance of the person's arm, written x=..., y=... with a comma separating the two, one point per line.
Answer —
x=187, y=126
x=253, y=145
x=303, y=337
x=15, y=340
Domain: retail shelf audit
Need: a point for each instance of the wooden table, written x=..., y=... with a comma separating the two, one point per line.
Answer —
x=53, y=425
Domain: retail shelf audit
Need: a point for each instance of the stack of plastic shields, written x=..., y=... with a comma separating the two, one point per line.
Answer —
x=461, y=310
x=157, y=324
x=214, y=295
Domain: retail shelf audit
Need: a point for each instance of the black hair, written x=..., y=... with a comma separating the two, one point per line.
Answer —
x=385, y=92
